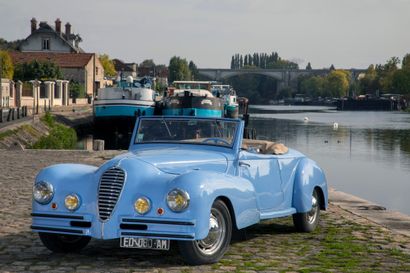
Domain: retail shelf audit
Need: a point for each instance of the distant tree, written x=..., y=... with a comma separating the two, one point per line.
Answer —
x=336, y=84
x=332, y=67
x=309, y=66
x=6, y=65
x=233, y=62
x=77, y=90
x=6, y=45
x=108, y=65
x=240, y=61
x=400, y=82
x=284, y=93
x=178, y=69
x=369, y=83
x=37, y=70
x=385, y=73
x=194, y=70
x=148, y=63
x=312, y=86
x=405, y=64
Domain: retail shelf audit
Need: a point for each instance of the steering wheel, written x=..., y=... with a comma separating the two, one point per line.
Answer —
x=216, y=140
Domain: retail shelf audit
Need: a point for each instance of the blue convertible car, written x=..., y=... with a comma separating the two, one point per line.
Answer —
x=190, y=180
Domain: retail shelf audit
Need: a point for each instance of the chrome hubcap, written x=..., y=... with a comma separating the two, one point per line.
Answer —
x=312, y=214
x=216, y=234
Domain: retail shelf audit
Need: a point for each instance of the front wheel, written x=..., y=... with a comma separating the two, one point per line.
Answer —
x=213, y=247
x=63, y=243
x=307, y=221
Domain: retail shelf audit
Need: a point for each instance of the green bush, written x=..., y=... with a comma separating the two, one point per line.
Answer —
x=60, y=136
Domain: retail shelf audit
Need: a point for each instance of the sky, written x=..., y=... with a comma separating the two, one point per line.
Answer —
x=345, y=33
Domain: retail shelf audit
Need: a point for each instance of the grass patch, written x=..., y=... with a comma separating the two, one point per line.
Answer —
x=6, y=134
x=60, y=136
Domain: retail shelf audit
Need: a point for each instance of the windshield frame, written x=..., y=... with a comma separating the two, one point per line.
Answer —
x=236, y=135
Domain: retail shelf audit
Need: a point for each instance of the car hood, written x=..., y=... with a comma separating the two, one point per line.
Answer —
x=179, y=161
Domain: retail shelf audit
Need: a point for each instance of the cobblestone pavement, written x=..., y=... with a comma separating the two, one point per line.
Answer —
x=343, y=242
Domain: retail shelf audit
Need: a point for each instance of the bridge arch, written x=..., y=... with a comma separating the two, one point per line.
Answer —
x=221, y=74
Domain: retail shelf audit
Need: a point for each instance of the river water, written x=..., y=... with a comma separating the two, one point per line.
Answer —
x=365, y=153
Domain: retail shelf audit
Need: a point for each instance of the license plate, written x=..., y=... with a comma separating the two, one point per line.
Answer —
x=144, y=243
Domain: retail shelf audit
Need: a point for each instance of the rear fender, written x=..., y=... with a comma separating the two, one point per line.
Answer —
x=308, y=176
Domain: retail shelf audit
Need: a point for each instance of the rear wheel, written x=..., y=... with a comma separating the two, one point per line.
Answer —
x=63, y=243
x=307, y=221
x=213, y=247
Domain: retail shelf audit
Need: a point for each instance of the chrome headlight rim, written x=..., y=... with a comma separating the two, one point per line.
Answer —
x=184, y=194
x=148, y=202
x=43, y=199
x=77, y=197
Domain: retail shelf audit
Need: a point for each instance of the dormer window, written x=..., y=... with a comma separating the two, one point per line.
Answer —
x=46, y=44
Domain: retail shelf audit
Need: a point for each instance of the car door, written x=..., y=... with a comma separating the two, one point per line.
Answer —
x=263, y=171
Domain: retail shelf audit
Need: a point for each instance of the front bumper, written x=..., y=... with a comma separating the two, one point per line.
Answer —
x=125, y=226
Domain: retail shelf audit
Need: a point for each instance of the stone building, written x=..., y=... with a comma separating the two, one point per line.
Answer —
x=125, y=69
x=83, y=68
x=46, y=38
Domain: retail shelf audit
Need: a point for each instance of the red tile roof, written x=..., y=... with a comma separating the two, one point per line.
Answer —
x=63, y=60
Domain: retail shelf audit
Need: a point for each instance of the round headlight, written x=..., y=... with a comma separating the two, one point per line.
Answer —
x=43, y=192
x=142, y=205
x=178, y=200
x=72, y=202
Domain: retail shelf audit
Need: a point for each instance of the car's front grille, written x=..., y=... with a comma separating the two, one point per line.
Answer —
x=109, y=191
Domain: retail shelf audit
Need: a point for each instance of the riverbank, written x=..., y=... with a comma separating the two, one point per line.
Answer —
x=344, y=242
x=25, y=133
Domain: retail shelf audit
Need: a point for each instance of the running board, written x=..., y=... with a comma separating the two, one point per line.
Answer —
x=277, y=213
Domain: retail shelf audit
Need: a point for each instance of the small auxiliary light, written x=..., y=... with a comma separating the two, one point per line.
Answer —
x=160, y=211
x=54, y=206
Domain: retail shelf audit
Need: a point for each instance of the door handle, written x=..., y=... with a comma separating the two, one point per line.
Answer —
x=243, y=164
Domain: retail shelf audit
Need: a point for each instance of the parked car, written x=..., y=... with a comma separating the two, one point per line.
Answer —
x=190, y=180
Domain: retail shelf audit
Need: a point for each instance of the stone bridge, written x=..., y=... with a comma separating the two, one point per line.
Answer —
x=284, y=77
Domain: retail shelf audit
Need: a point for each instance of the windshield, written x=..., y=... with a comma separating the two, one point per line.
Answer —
x=187, y=131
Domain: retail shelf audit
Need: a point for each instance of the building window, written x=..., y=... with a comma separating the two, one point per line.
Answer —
x=46, y=44
x=96, y=71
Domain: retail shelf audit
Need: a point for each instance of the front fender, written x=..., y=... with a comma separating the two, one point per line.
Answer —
x=66, y=179
x=205, y=187
x=308, y=176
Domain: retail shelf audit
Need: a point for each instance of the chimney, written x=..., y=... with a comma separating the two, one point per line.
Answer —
x=33, y=24
x=67, y=30
x=58, y=25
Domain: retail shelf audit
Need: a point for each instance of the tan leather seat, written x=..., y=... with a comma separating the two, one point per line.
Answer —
x=264, y=146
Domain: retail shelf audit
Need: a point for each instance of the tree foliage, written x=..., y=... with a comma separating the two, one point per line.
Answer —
x=336, y=84
x=262, y=61
x=6, y=65
x=388, y=77
x=37, y=70
x=147, y=63
x=194, y=70
x=108, y=65
x=9, y=45
x=178, y=70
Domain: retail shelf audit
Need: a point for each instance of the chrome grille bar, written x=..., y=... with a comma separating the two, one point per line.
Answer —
x=111, y=184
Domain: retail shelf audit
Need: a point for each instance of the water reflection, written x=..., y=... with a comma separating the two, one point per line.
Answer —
x=367, y=155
